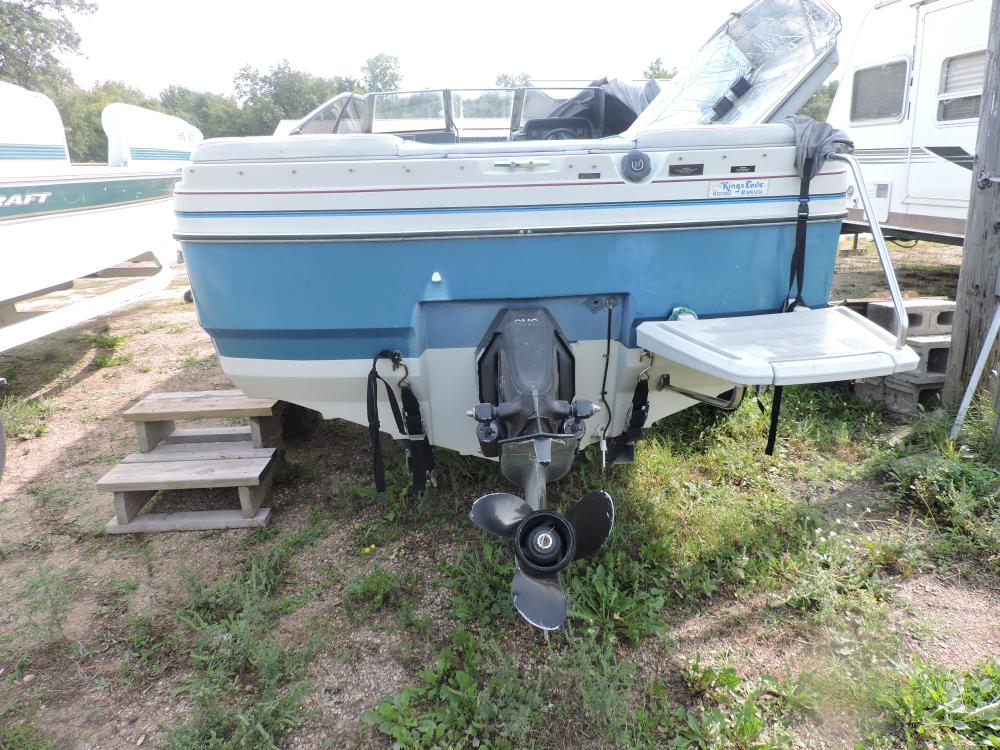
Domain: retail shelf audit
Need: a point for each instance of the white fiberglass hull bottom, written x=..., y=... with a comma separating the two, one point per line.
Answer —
x=43, y=252
x=444, y=380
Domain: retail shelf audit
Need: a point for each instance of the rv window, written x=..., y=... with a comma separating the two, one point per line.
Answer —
x=879, y=92
x=962, y=81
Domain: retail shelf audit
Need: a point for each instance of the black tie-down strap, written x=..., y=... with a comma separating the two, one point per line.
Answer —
x=419, y=455
x=796, y=280
x=623, y=450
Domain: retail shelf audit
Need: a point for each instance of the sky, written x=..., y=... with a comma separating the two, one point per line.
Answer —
x=200, y=44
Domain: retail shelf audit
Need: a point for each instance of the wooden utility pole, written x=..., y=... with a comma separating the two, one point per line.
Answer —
x=976, y=301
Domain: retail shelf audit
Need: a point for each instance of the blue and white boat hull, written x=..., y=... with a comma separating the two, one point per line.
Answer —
x=308, y=256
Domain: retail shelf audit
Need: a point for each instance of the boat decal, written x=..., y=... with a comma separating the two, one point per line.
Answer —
x=416, y=189
x=496, y=209
x=32, y=151
x=170, y=154
x=740, y=188
x=22, y=199
x=954, y=154
x=452, y=234
x=54, y=198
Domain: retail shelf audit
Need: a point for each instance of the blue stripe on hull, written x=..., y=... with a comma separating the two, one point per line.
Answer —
x=496, y=209
x=159, y=154
x=348, y=300
x=32, y=151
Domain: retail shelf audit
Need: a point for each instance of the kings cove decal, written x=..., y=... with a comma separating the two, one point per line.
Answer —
x=737, y=188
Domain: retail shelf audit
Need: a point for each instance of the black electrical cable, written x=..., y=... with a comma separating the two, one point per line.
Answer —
x=604, y=382
x=913, y=243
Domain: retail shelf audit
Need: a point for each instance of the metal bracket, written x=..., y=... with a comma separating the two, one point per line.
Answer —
x=984, y=180
x=902, y=319
x=726, y=404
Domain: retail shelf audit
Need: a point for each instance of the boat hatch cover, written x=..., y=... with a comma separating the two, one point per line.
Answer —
x=805, y=346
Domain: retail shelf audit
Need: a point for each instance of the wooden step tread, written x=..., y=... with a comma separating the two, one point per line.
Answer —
x=215, y=451
x=197, y=520
x=208, y=435
x=186, y=475
x=161, y=407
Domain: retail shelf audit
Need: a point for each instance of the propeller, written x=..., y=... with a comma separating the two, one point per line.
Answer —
x=545, y=543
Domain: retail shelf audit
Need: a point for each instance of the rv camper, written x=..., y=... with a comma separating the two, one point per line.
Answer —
x=911, y=94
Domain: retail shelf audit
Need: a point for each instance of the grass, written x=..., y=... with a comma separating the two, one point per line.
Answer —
x=193, y=361
x=246, y=688
x=930, y=707
x=24, y=419
x=378, y=591
x=464, y=699
x=46, y=597
x=804, y=550
x=23, y=737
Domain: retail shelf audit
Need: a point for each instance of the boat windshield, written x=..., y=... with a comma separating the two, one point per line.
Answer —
x=760, y=59
x=468, y=115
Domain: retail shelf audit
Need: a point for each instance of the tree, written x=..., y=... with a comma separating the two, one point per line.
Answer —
x=281, y=93
x=214, y=115
x=32, y=34
x=81, y=115
x=512, y=80
x=657, y=70
x=381, y=73
x=818, y=106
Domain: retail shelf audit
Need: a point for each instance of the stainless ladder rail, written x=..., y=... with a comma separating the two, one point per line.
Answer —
x=902, y=319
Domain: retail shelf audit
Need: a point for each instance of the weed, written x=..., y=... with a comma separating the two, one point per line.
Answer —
x=833, y=577
x=52, y=494
x=593, y=689
x=145, y=647
x=106, y=359
x=194, y=361
x=960, y=496
x=733, y=713
x=462, y=700
x=103, y=340
x=47, y=598
x=23, y=737
x=24, y=418
x=620, y=595
x=378, y=591
x=246, y=691
x=930, y=707
x=479, y=581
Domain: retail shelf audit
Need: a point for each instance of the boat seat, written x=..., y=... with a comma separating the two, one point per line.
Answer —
x=805, y=346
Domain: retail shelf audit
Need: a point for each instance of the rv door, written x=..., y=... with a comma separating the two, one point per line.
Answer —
x=948, y=79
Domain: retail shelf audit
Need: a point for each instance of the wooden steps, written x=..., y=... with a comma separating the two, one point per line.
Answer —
x=240, y=457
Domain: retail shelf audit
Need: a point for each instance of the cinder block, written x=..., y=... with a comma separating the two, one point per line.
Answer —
x=906, y=398
x=927, y=317
x=901, y=396
x=915, y=377
x=932, y=350
x=871, y=390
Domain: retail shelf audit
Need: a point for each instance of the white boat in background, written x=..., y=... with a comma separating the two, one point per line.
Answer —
x=60, y=221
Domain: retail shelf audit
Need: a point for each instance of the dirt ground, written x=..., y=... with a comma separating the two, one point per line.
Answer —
x=52, y=519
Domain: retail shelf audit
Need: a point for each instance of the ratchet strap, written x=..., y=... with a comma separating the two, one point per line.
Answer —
x=623, y=450
x=419, y=455
x=796, y=279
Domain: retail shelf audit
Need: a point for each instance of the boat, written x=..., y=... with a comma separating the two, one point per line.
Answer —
x=60, y=222
x=521, y=289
